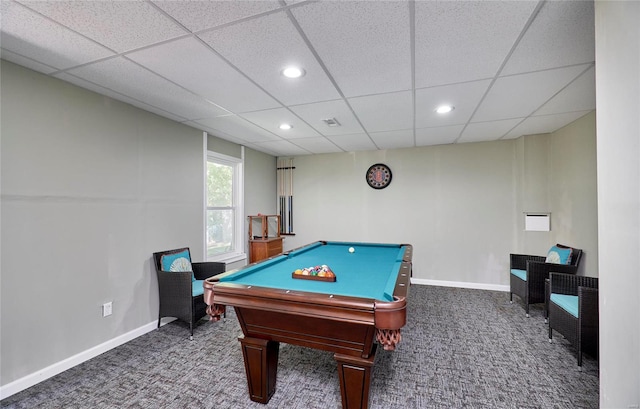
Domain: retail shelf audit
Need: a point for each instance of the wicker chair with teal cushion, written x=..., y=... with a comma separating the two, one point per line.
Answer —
x=573, y=311
x=528, y=272
x=180, y=285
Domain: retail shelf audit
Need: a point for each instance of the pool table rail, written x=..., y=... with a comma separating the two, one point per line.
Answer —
x=387, y=313
x=293, y=309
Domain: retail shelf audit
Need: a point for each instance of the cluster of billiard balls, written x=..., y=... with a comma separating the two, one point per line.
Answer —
x=320, y=271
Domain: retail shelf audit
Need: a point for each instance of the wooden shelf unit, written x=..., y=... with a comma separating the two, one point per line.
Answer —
x=264, y=237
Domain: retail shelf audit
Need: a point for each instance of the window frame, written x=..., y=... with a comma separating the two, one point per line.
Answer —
x=239, y=252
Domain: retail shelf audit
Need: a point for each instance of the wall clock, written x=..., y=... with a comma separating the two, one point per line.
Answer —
x=378, y=176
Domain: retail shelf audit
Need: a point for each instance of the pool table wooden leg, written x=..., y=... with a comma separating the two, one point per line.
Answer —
x=355, y=378
x=261, y=366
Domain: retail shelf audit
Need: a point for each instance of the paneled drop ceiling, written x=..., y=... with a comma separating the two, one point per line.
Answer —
x=380, y=68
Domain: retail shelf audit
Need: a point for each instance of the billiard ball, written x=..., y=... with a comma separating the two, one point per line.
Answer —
x=351, y=250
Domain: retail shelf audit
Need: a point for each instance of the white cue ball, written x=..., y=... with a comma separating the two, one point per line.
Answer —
x=351, y=250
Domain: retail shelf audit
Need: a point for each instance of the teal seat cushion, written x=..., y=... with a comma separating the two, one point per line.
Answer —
x=569, y=303
x=197, y=287
x=559, y=255
x=521, y=274
x=177, y=262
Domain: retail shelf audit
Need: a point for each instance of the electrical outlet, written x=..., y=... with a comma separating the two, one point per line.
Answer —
x=107, y=309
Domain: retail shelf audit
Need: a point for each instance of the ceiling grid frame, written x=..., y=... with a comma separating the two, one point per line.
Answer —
x=567, y=27
x=504, y=63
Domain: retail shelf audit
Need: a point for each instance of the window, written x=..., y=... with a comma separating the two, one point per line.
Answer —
x=224, y=219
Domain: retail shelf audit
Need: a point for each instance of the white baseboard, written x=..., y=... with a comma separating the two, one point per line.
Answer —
x=28, y=381
x=461, y=284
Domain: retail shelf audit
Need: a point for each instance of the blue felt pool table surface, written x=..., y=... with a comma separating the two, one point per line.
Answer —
x=369, y=272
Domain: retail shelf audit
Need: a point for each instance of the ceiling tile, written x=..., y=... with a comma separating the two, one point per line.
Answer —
x=464, y=97
x=506, y=97
x=32, y=36
x=234, y=125
x=231, y=85
x=261, y=148
x=317, y=145
x=437, y=136
x=272, y=118
x=314, y=114
x=217, y=133
x=396, y=112
x=580, y=95
x=340, y=31
x=487, y=131
x=115, y=95
x=280, y=45
x=26, y=62
x=200, y=15
x=194, y=66
x=283, y=148
x=465, y=40
x=394, y=139
x=353, y=142
x=562, y=34
x=544, y=124
x=127, y=78
x=137, y=23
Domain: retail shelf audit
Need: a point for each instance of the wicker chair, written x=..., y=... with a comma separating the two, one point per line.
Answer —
x=177, y=295
x=579, y=327
x=531, y=290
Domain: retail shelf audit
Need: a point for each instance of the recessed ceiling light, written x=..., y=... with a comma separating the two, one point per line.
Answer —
x=293, y=72
x=285, y=127
x=444, y=109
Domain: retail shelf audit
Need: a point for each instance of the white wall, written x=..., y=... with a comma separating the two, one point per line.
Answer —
x=260, y=183
x=573, y=195
x=461, y=206
x=259, y=191
x=90, y=188
x=532, y=192
x=618, y=108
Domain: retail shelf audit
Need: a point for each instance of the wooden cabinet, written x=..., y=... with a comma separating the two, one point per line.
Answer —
x=261, y=249
x=264, y=237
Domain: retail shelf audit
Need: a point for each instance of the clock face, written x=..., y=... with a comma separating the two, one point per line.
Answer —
x=378, y=176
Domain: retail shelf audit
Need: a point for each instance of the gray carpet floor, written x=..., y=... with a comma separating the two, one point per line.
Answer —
x=461, y=348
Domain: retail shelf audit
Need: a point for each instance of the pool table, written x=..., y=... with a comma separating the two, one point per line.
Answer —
x=366, y=303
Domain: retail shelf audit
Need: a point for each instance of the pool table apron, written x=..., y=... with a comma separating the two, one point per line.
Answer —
x=346, y=325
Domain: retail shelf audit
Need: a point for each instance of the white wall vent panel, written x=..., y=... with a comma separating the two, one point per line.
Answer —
x=537, y=221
